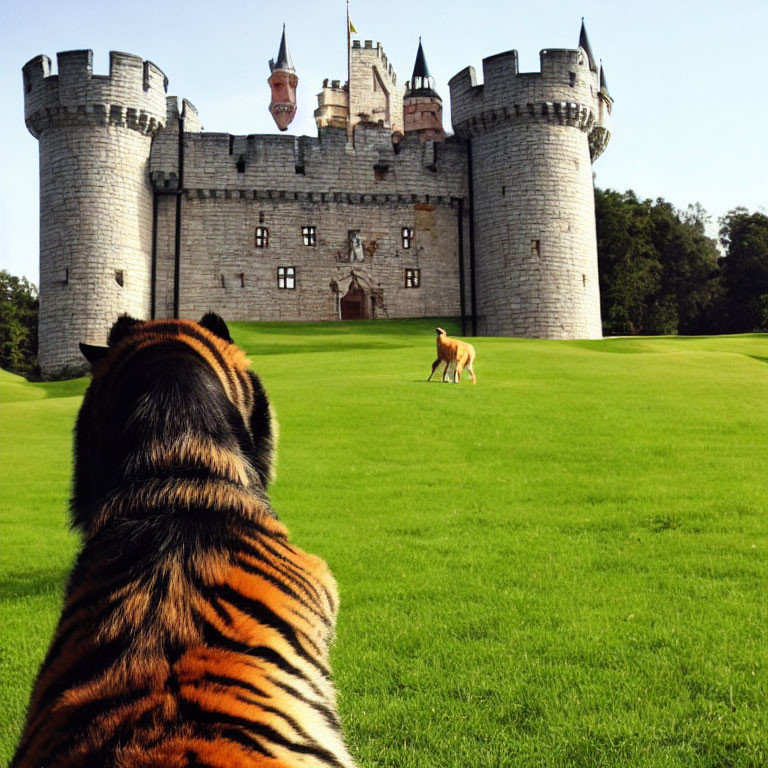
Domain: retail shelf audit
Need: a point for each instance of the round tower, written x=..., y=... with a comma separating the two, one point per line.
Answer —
x=95, y=134
x=531, y=140
x=422, y=106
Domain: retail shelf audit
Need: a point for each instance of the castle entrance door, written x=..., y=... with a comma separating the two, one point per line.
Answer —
x=354, y=306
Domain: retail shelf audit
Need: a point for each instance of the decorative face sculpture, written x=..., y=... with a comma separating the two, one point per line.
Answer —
x=283, y=105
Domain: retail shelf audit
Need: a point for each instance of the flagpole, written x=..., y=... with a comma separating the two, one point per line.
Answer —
x=349, y=71
x=349, y=49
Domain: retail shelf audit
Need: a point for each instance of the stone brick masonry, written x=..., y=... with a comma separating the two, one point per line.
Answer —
x=142, y=212
x=95, y=137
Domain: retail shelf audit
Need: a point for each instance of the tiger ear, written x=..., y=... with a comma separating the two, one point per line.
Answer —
x=121, y=329
x=93, y=353
x=213, y=323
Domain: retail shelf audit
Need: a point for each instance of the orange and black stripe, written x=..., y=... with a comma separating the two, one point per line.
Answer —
x=193, y=633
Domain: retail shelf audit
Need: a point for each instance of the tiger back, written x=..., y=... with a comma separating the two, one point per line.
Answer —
x=193, y=633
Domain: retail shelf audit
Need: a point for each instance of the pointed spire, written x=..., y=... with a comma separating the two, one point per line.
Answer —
x=421, y=80
x=584, y=43
x=603, y=81
x=283, y=57
x=420, y=67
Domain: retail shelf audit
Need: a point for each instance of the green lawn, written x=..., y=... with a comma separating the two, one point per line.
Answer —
x=565, y=565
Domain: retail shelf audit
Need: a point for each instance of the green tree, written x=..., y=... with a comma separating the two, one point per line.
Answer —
x=744, y=268
x=628, y=263
x=658, y=269
x=18, y=324
x=690, y=276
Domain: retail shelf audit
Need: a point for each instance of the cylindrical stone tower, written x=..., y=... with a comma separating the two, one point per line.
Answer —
x=95, y=134
x=532, y=139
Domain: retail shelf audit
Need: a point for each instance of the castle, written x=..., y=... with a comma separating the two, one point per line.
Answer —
x=380, y=215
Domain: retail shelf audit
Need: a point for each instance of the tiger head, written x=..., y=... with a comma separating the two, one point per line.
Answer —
x=170, y=399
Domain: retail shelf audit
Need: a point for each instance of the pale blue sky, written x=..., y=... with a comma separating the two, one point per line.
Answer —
x=689, y=79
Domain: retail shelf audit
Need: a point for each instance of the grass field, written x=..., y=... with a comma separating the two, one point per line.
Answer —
x=565, y=565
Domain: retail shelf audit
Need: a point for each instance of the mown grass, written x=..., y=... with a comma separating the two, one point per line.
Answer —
x=562, y=566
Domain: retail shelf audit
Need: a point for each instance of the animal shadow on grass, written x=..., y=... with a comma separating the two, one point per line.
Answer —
x=46, y=581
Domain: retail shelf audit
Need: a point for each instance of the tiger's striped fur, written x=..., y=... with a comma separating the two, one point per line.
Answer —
x=193, y=633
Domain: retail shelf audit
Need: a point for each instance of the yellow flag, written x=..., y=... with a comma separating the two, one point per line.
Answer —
x=352, y=28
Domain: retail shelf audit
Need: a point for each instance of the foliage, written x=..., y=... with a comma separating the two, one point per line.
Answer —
x=658, y=269
x=564, y=565
x=18, y=324
x=744, y=237
x=629, y=267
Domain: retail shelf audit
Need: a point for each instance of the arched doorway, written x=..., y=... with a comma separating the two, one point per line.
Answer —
x=354, y=306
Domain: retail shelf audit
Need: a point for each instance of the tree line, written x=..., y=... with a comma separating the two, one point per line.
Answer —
x=18, y=325
x=661, y=274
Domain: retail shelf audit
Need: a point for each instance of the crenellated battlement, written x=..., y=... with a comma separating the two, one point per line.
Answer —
x=141, y=211
x=335, y=85
x=186, y=111
x=333, y=105
x=305, y=165
x=368, y=49
x=565, y=91
x=132, y=95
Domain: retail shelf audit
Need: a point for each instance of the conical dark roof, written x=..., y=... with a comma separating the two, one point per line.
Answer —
x=584, y=43
x=603, y=81
x=283, y=57
x=420, y=68
x=421, y=81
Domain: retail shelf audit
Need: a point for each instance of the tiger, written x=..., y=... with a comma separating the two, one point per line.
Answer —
x=193, y=633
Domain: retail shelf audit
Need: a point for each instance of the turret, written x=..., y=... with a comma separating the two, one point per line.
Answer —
x=422, y=107
x=95, y=133
x=283, y=82
x=529, y=136
x=332, y=105
x=600, y=135
x=374, y=94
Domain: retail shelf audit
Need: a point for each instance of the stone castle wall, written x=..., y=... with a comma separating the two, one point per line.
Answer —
x=223, y=271
x=234, y=184
x=95, y=134
x=536, y=267
x=117, y=185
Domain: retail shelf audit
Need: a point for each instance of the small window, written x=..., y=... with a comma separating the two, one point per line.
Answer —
x=262, y=237
x=407, y=237
x=412, y=278
x=535, y=247
x=286, y=277
x=309, y=234
x=120, y=277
